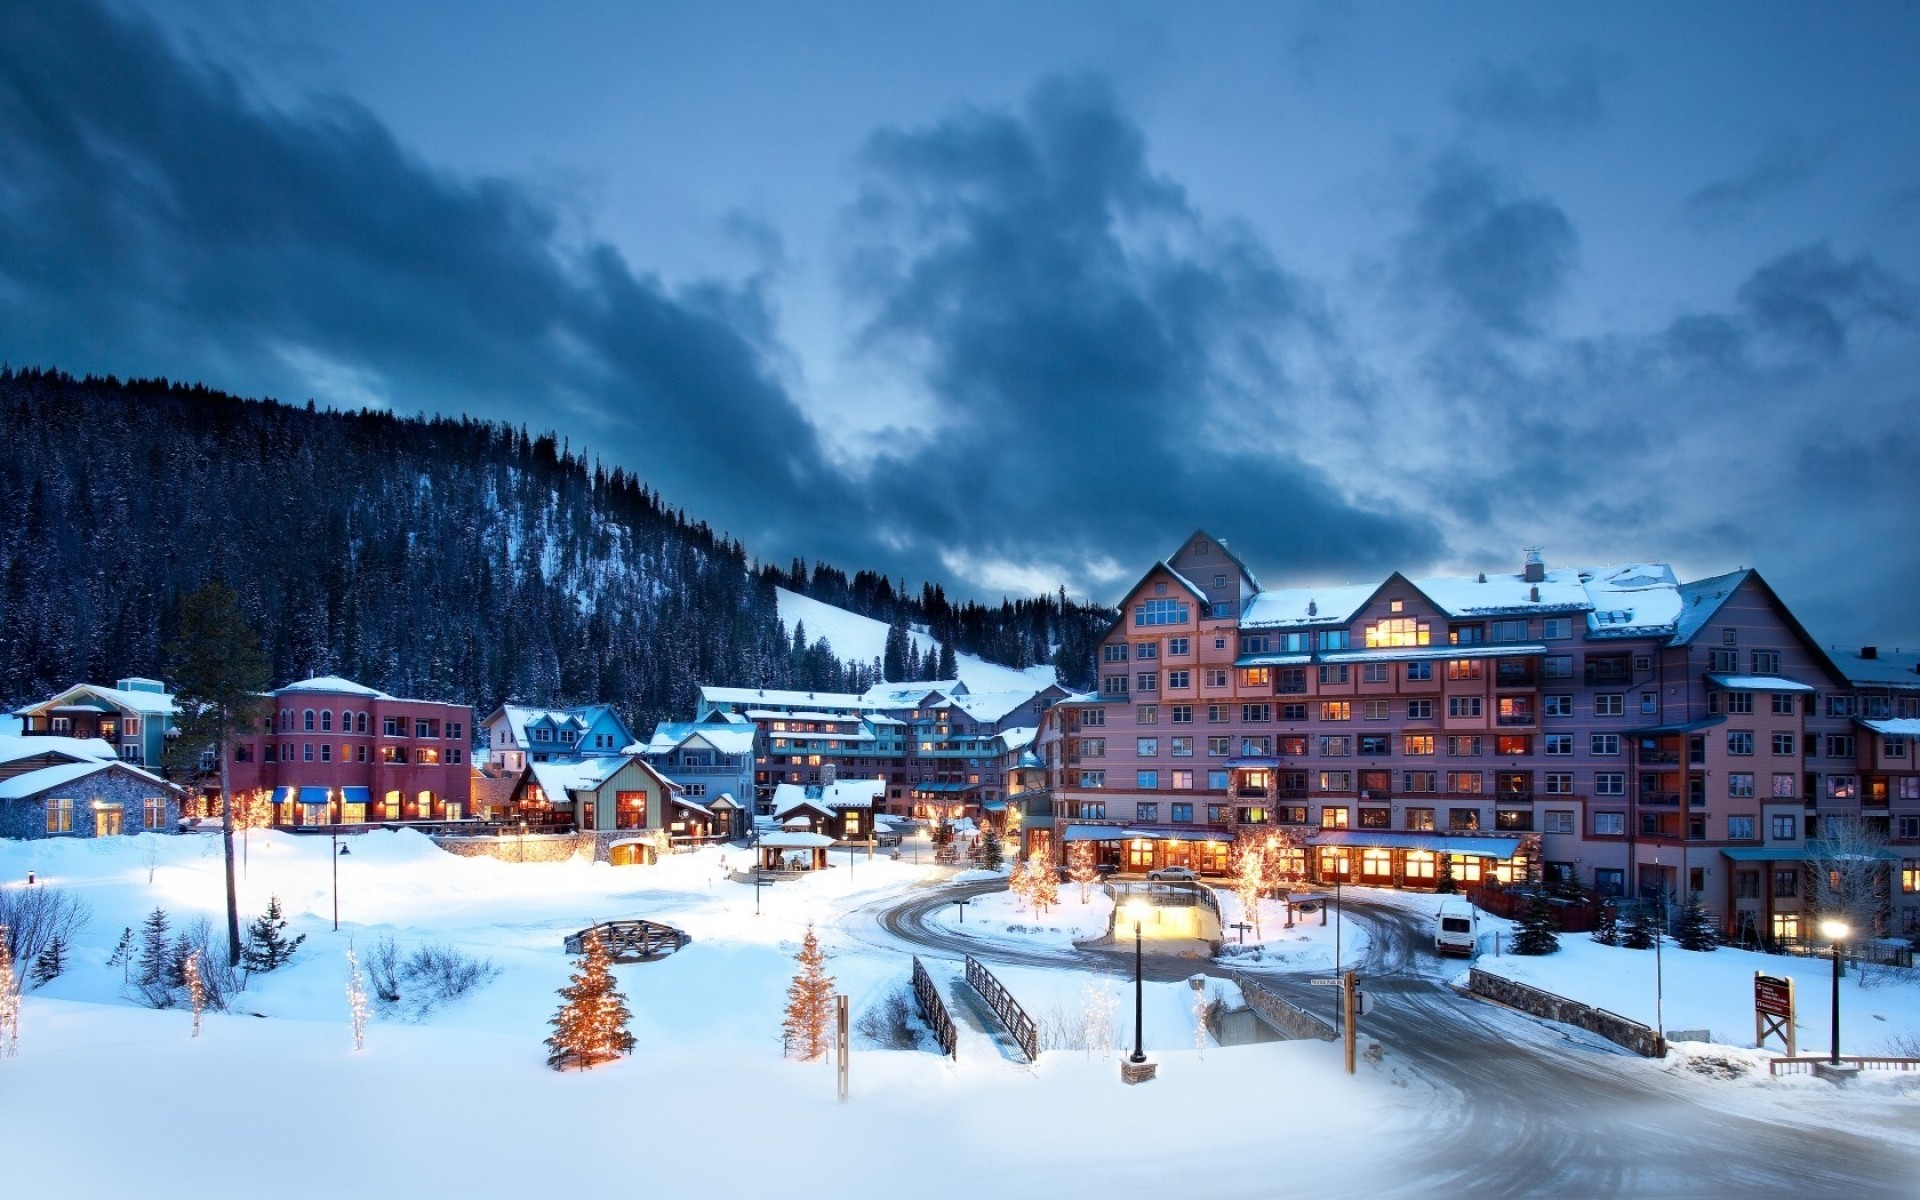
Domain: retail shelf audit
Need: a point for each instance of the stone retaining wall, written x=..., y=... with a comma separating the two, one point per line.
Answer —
x=1281, y=1015
x=1615, y=1028
x=534, y=847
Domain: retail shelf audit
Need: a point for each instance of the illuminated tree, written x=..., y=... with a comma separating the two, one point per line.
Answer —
x=196, y=988
x=991, y=852
x=591, y=1027
x=809, y=1002
x=356, y=999
x=1249, y=880
x=1043, y=884
x=9, y=1001
x=1019, y=883
x=1080, y=867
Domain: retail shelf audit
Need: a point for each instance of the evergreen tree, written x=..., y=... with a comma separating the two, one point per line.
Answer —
x=122, y=956
x=1637, y=931
x=1539, y=929
x=1606, y=926
x=268, y=946
x=991, y=852
x=156, y=959
x=1042, y=882
x=1694, y=930
x=591, y=1026
x=51, y=962
x=948, y=668
x=809, y=1002
x=893, y=659
x=1443, y=876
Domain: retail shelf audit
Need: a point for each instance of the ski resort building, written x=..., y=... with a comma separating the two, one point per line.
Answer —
x=1614, y=727
x=57, y=786
x=516, y=735
x=712, y=762
x=332, y=751
x=133, y=716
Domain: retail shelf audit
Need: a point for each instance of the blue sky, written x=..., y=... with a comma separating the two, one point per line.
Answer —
x=1015, y=295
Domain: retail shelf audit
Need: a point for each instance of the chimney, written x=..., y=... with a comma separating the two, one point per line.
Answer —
x=1535, y=570
x=1533, y=594
x=1869, y=652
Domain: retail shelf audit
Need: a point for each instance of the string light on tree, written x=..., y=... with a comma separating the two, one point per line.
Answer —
x=9, y=1000
x=809, y=1002
x=196, y=988
x=1080, y=868
x=591, y=1027
x=356, y=999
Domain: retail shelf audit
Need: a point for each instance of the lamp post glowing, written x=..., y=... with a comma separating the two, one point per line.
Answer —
x=1137, y=911
x=1836, y=932
x=338, y=850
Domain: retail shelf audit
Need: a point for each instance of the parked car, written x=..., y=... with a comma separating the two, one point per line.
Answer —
x=1173, y=875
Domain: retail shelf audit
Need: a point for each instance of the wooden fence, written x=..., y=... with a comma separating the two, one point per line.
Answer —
x=1805, y=1065
x=934, y=1009
x=1004, y=1006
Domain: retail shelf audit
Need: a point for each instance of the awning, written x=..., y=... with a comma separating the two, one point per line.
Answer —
x=1095, y=833
x=315, y=795
x=1418, y=653
x=1765, y=853
x=945, y=787
x=1895, y=727
x=283, y=794
x=1683, y=727
x=993, y=805
x=1273, y=660
x=355, y=795
x=794, y=841
x=1271, y=763
x=1759, y=683
x=1438, y=843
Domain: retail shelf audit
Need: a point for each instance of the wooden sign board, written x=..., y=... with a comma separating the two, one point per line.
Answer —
x=1773, y=1011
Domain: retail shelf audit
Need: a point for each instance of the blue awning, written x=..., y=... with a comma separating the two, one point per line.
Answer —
x=315, y=795
x=283, y=794
x=1438, y=843
x=1272, y=763
x=355, y=795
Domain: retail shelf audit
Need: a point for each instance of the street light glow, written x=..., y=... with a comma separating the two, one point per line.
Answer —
x=1835, y=930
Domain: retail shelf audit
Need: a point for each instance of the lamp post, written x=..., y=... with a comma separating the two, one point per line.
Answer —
x=338, y=850
x=1836, y=931
x=1136, y=910
x=1338, y=912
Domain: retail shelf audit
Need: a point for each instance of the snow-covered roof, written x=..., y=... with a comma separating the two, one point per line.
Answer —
x=775, y=698
x=155, y=704
x=669, y=736
x=845, y=793
x=679, y=801
x=782, y=714
x=1306, y=606
x=18, y=746
x=910, y=693
x=1896, y=727
x=988, y=707
x=1759, y=683
x=560, y=779
x=1637, y=598
x=32, y=783
x=1701, y=599
x=786, y=840
x=1019, y=737
x=333, y=683
x=1887, y=668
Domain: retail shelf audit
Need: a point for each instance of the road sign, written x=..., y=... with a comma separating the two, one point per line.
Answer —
x=1324, y=982
x=1362, y=1004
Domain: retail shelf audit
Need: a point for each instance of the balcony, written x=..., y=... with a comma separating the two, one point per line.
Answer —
x=1661, y=799
x=1289, y=689
x=1250, y=792
x=1599, y=674
x=1514, y=720
x=1659, y=758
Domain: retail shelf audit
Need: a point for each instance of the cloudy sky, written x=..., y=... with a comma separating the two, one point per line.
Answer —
x=1015, y=295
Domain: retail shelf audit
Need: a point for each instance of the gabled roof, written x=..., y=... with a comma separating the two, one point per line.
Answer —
x=522, y=717
x=15, y=747
x=333, y=683
x=826, y=798
x=1887, y=668
x=1704, y=598
x=560, y=779
x=155, y=704
x=669, y=736
x=32, y=783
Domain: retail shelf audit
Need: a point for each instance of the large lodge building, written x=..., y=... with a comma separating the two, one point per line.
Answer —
x=1612, y=727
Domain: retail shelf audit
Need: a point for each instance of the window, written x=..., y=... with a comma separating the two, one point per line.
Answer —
x=306, y=720
x=393, y=727
x=1336, y=746
x=1419, y=710
x=1147, y=715
x=1556, y=629
x=1160, y=612
x=1466, y=783
x=1216, y=780
x=1146, y=649
x=1378, y=710
x=1510, y=631
x=1463, y=745
x=1218, y=747
x=1603, y=743
x=1256, y=713
x=306, y=752
x=1335, y=639
x=1333, y=817
x=1416, y=743
x=1181, y=747
x=326, y=752
x=1766, y=662
x=1146, y=747
x=1783, y=745
x=1558, y=820
x=1256, y=678
x=1840, y=745
x=1609, y=824
x=1179, y=646
x=1463, y=668
x=326, y=720
x=1740, y=829
x=1093, y=747
x=1146, y=681
x=1785, y=785
x=1256, y=746
x=1180, y=679
x=1609, y=704
x=1335, y=674
x=153, y=812
x=1910, y=875
x=1463, y=706
x=1463, y=819
x=1092, y=717
x=1559, y=783
x=1740, y=742
x=1376, y=818
x=1786, y=827
x=1336, y=710
x=1786, y=883
x=1375, y=745
x=1908, y=788
x=1840, y=706
x=1609, y=783
x=1376, y=673
x=1783, y=704
x=1181, y=714
x=1181, y=781
x=1336, y=781
x=1148, y=811
x=1293, y=714
x=59, y=816
x=1740, y=785
x=1092, y=779
x=1466, y=635
x=1513, y=743
x=1114, y=652
x=1558, y=666
x=1843, y=787
x=1217, y=677
x=1398, y=631
x=1893, y=747
x=1420, y=820
x=1419, y=781
x=1740, y=703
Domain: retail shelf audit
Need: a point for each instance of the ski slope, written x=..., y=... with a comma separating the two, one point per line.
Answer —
x=855, y=638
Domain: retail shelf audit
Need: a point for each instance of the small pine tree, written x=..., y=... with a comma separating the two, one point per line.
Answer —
x=1539, y=929
x=52, y=961
x=1636, y=932
x=156, y=974
x=1443, y=876
x=591, y=1027
x=1606, y=926
x=809, y=1002
x=1694, y=930
x=268, y=946
x=991, y=855
x=122, y=956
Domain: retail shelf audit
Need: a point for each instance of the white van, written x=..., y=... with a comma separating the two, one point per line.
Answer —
x=1455, y=932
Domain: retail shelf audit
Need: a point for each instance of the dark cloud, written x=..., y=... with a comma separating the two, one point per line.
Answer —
x=1551, y=92
x=156, y=219
x=1786, y=163
x=1104, y=360
x=1808, y=300
x=1496, y=258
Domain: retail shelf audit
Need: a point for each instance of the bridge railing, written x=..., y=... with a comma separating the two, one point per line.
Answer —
x=934, y=1009
x=1004, y=1006
x=631, y=941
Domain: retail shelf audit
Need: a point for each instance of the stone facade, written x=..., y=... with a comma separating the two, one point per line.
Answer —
x=108, y=789
x=1615, y=1028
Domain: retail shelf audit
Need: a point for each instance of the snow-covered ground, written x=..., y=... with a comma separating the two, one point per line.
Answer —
x=463, y=1103
x=1004, y=917
x=855, y=638
x=1310, y=945
x=1879, y=1006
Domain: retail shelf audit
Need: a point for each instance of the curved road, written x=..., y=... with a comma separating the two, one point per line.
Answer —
x=1527, y=1108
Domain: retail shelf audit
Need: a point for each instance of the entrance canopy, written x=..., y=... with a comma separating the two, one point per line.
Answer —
x=1438, y=843
x=1109, y=833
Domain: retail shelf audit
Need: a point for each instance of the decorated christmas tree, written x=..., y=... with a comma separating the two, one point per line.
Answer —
x=1019, y=883
x=267, y=945
x=1043, y=885
x=591, y=1027
x=1539, y=930
x=809, y=1002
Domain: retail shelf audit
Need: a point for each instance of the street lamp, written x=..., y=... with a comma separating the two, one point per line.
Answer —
x=338, y=850
x=1835, y=931
x=1137, y=911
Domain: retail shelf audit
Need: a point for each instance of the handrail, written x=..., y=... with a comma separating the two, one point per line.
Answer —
x=934, y=1009
x=1004, y=1006
x=631, y=940
x=1805, y=1063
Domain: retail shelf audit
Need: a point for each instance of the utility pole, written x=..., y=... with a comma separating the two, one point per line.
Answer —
x=1349, y=1009
x=840, y=1007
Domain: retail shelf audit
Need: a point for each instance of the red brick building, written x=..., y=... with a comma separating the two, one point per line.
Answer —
x=335, y=752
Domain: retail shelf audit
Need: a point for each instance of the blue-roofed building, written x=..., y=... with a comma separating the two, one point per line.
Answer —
x=712, y=761
x=517, y=736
